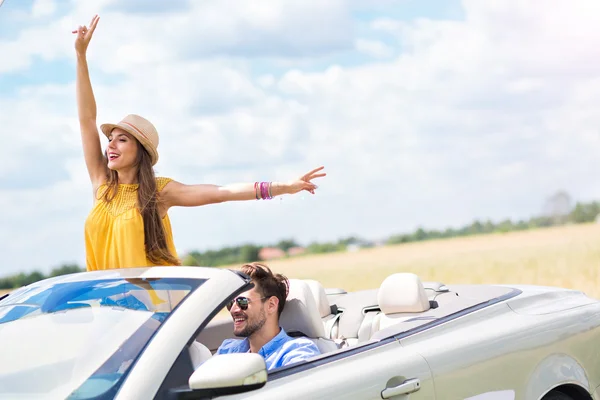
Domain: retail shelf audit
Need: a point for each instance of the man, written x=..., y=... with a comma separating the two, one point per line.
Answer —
x=256, y=315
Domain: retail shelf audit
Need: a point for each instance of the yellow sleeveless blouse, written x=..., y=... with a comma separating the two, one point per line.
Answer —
x=114, y=231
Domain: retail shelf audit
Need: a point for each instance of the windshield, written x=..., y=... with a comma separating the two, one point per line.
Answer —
x=80, y=335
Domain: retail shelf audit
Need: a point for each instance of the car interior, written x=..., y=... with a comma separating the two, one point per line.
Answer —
x=337, y=320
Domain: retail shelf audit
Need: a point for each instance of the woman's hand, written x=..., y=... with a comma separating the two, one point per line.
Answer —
x=84, y=35
x=304, y=182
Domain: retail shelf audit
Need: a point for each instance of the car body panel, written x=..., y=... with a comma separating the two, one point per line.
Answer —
x=361, y=376
x=499, y=349
x=543, y=300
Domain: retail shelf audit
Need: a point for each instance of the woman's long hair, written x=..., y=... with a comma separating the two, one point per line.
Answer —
x=155, y=241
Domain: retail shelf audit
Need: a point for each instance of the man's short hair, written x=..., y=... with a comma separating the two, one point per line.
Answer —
x=267, y=283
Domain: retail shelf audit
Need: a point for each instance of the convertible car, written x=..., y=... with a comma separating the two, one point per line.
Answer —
x=151, y=333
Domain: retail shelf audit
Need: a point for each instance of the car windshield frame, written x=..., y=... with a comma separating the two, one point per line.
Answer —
x=136, y=303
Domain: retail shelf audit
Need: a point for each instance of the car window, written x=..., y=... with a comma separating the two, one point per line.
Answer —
x=79, y=339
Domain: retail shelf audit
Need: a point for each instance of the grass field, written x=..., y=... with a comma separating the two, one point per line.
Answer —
x=562, y=256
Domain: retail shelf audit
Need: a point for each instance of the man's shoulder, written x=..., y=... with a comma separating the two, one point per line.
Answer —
x=231, y=346
x=301, y=340
x=297, y=349
x=301, y=343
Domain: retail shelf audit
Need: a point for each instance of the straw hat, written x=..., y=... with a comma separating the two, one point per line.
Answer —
x=141, y=129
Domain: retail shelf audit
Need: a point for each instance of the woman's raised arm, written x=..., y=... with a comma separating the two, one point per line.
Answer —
x=86, y=107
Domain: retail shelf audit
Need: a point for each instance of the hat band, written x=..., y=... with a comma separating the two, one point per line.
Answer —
x=136, y=129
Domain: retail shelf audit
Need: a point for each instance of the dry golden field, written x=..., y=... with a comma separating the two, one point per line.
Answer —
x=562, y=256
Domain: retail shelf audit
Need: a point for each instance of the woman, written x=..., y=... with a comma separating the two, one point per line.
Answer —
x=128, y=225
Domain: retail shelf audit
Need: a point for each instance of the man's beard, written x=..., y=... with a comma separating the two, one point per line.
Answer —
x=254, y=326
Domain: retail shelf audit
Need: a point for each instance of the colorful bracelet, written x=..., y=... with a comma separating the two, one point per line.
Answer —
x=263, y=190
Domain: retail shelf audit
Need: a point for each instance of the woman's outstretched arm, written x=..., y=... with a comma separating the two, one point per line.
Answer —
x=179, y=194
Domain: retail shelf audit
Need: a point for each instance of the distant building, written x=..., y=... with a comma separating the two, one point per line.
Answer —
x=296, y=251
x=270, y=253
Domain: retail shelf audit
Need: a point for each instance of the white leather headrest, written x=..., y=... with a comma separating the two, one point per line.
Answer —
x=320, y=296
x=300, y=313
x=402, y=293
x=199, y=353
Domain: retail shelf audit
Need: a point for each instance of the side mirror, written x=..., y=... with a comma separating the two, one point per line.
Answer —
x=227, y=374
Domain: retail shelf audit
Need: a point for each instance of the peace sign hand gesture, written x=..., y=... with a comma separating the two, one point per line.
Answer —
x=84, y=35
x=304, y=182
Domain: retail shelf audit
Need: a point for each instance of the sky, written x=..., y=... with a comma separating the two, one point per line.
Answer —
x=427, y=113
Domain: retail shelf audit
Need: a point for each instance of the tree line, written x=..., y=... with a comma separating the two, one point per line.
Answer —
x=581, y=213
x=558, y=214
x=23, y=279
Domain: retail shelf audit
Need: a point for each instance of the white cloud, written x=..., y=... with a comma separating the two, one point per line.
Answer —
x=125, y=42
x=374, y=48
x=46, y=42
x=43, y=8
x=291, y=28
x=475, y=118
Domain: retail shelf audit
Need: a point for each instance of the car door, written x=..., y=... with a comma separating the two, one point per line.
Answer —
x=373, y=371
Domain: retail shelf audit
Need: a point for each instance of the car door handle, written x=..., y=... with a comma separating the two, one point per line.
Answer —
x=406, y=387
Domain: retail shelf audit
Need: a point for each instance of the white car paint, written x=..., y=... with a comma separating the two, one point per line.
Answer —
x=521, y=347
x=361, y=376
x=499, y=348
x=166, y=345
x=499, y=395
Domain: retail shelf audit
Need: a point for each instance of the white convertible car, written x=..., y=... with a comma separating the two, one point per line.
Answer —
x=151, y=333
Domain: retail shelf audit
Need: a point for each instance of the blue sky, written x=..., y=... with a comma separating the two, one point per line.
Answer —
x=424, y=113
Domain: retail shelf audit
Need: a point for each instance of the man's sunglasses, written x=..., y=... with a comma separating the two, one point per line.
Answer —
x=242, y=302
